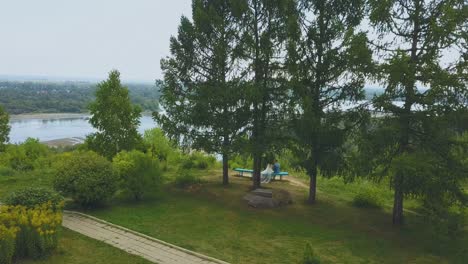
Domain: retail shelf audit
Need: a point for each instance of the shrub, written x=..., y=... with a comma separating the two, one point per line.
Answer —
x=159, y=145
x=86, y=177
x=241, y=161
x=309, y=256
x=34, y=230
x=446, y=222
x=198, y=160
x=33, y=196
x=25, y=156
x=138, y=172
x=185, y=178
x=5, y=171
x=368, y=197
x=7, y=243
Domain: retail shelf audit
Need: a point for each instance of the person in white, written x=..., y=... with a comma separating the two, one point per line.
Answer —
x=267, y=174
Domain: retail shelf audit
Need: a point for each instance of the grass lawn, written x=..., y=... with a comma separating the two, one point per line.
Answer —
x=77, y=249
x=216, y=221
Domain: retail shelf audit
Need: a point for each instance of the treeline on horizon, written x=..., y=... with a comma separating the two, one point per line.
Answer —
x=21, y=97
x=65, y=97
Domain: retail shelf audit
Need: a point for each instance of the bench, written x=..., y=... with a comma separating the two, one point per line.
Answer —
x=280, y=174
x=241, y=171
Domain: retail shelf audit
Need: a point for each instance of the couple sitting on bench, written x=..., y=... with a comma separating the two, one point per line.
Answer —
x=270, y=172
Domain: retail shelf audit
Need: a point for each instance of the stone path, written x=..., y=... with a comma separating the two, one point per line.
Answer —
x=132, y=242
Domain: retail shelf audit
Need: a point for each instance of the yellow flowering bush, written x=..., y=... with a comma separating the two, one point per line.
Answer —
x=33, y=230
x=7, y=243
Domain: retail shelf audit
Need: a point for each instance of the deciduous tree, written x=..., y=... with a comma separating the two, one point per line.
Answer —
x=114, y=117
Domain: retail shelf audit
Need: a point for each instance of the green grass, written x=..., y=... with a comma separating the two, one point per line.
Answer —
x=13, y=181
x=77, y=249
x=215, y=221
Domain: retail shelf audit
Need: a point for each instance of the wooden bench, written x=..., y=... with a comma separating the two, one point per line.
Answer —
x=280, y=174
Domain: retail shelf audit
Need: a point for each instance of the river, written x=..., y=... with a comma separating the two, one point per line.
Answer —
x=53, y=127
x=50, y=127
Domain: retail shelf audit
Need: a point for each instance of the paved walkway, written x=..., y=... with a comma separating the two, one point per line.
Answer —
x=132, y=242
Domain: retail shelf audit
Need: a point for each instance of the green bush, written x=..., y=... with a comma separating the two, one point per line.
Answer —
x=25, y=156
x=33, y=196
x=446, y=223
x=198, y=160
x=309, y=256
x=6, y=171
x=368, y=197
x=138, y=172
x=86, y=177
x=185, y=178
x=241, y=161
x=158, y=144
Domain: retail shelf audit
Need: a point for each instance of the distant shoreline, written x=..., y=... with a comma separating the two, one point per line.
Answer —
x=56, y=116
x=48, y=116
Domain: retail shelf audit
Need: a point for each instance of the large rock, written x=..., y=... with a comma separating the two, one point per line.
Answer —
x=263, y=192
x=265, y=198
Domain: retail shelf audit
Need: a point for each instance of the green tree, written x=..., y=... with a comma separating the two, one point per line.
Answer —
x=327, y=59
x=263, y=36
x=412, y=143
x=202, y=92
x=4, y=127
x=114, y=117
x=138, y=172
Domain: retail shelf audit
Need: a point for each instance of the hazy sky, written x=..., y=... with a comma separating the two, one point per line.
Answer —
x=87, y=38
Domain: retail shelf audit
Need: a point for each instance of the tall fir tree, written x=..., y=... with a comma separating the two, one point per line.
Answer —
x=264, y=37
x=202, y=93
x=327, y=59
x=412, y=143
x=114, y=117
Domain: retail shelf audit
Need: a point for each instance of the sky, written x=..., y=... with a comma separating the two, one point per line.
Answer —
x=85, y=39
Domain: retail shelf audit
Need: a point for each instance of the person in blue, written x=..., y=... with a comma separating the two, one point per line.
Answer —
x=276, y=167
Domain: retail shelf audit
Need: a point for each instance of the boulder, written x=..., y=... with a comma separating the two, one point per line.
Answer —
x=266, y=198
x=263, y=192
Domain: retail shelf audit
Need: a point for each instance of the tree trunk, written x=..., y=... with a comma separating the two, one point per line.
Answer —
x=397, y=218
x=398, y=202
x=313, y=185
x=225, y=169
x=257, y=169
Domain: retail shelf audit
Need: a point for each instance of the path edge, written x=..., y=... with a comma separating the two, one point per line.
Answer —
x=193, y=253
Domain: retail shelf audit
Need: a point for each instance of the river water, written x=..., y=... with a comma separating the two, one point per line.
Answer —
x=47, y=128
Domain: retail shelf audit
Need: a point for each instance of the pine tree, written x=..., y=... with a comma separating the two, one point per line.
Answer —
x=114, y=117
